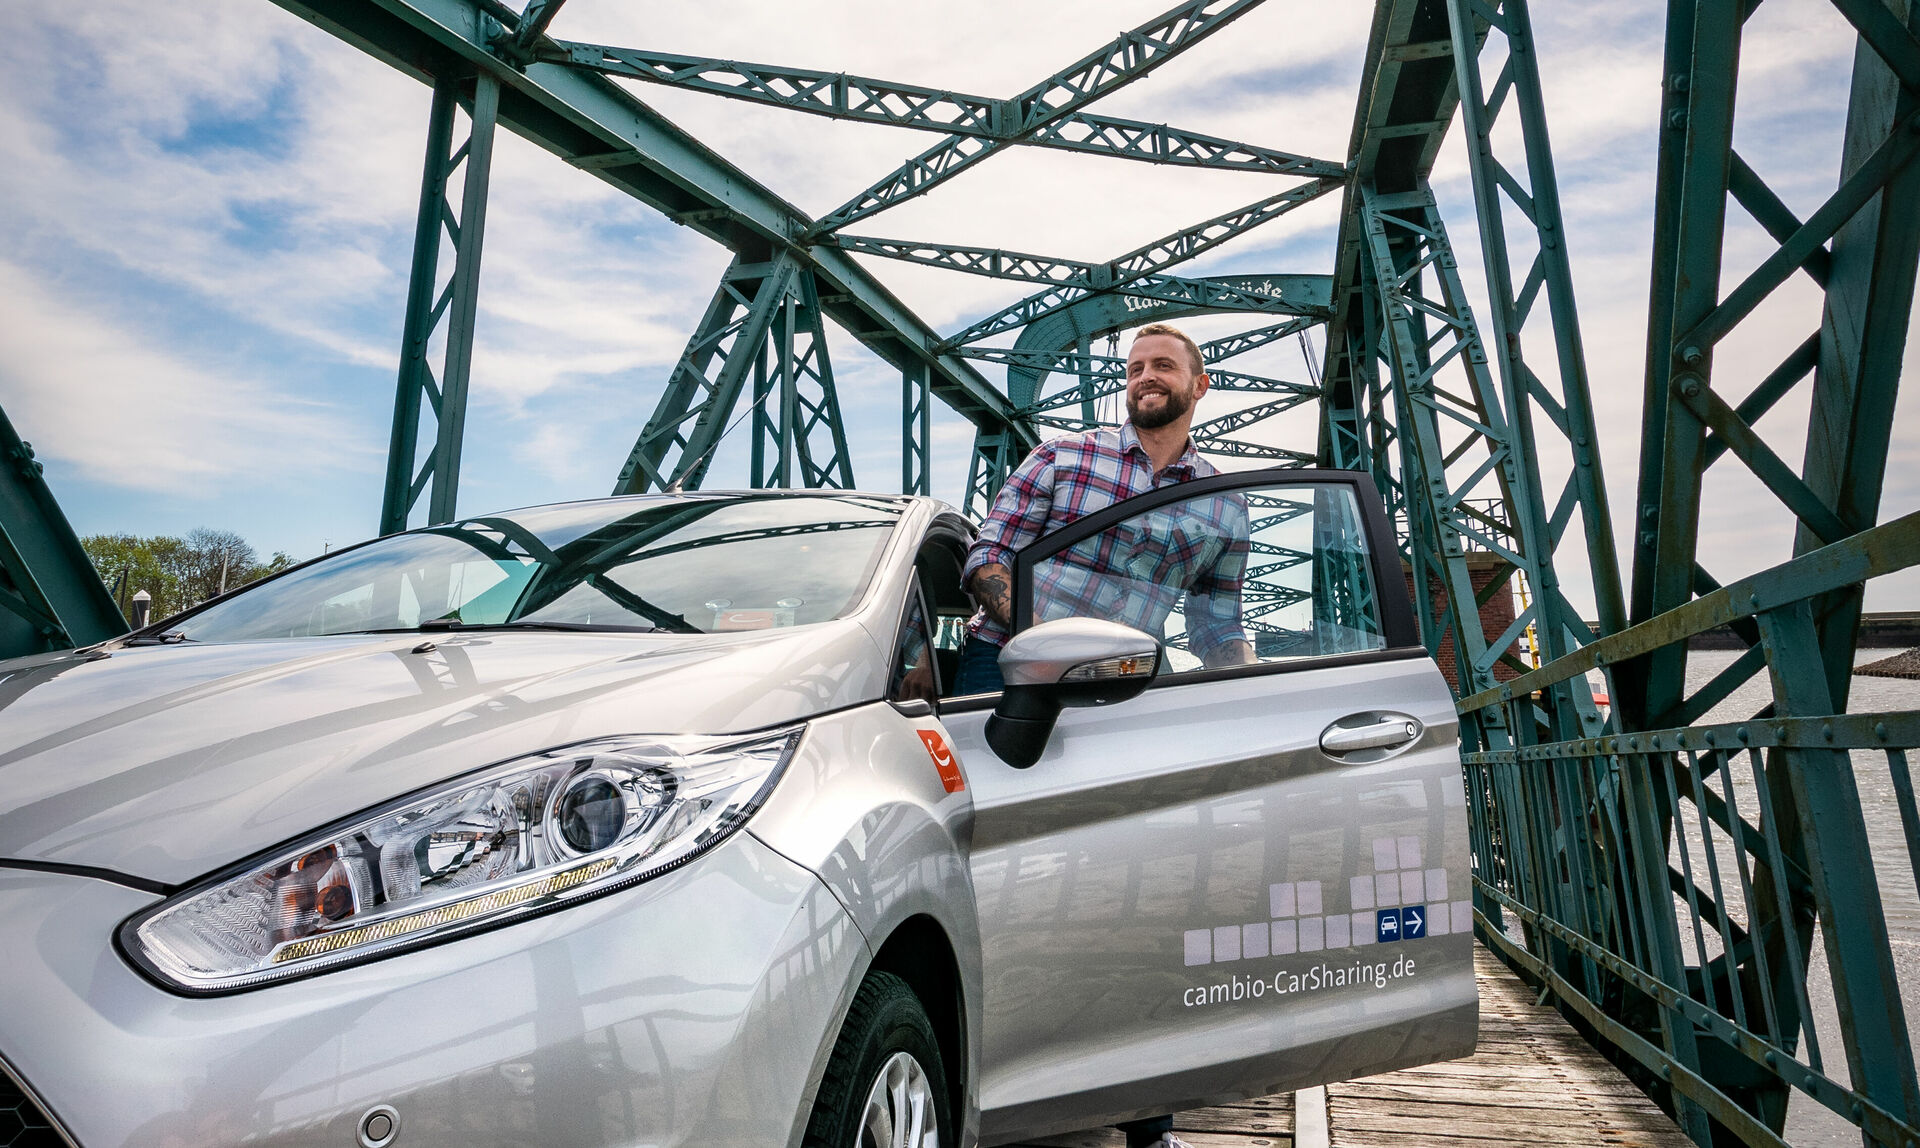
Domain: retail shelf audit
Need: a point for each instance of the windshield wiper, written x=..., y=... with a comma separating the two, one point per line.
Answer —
x=435, y=625
x=535, y=624
x=170, y=638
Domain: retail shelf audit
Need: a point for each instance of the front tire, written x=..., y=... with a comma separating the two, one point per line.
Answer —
x=884, y=1086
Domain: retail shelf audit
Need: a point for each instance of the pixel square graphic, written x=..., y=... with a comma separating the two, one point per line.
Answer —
x=1400, y=900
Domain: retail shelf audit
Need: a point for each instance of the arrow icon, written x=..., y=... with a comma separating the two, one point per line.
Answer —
x=1413, y=923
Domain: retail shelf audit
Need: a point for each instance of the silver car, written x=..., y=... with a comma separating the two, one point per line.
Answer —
x=656, y=821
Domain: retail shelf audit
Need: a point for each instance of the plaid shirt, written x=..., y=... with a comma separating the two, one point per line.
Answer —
x=1135, y=572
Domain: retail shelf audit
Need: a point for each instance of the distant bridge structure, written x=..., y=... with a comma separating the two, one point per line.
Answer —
x=1666, y=882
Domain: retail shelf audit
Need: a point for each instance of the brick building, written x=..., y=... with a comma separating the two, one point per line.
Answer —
x=1495, y=616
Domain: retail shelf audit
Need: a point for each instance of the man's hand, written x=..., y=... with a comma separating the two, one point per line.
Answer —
x=1238, y=652
x=992, y=587
x=918, y=684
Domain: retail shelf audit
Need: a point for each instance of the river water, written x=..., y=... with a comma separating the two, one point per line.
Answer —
x=1809, y=1123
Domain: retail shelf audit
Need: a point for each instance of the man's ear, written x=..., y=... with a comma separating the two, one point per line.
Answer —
x=1200, y=387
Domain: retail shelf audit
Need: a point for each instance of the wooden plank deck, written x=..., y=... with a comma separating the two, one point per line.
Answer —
x=1532, y=1080
x=1263, y=1123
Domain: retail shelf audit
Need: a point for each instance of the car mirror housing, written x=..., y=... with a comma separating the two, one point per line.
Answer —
x=1067, y=662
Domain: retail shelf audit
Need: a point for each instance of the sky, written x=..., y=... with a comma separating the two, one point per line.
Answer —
x=209, y=213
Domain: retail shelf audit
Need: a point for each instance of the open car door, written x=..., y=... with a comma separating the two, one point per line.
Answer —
x=1255, y=875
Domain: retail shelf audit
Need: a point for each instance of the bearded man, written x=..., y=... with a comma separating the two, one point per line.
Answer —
x=1068, y=478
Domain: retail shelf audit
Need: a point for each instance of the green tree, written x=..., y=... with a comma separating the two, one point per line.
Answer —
x=177, y=572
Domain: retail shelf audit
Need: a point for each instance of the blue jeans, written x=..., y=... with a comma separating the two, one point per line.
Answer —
x=979, y=670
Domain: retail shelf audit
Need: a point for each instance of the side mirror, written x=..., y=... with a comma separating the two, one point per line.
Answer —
x=1067, y=662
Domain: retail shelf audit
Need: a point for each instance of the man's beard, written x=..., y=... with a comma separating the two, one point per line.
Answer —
x=1176, y=404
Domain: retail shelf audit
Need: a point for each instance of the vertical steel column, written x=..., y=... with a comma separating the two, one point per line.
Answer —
x=428, y=306
x=1405, y=240
x=1670, y=488
x=993, y=460
x=1571, y=411
x=916, y=430
x=766, y=434
x=818, y=433
x=466, y=299
x=1863, y=333
x=1853, y=919
x=784, y=390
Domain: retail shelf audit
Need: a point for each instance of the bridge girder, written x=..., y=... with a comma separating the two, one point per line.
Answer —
x=1047, y=114
x=594, y=124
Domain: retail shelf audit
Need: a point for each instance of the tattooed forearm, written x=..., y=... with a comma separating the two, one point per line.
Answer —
x=992, y=587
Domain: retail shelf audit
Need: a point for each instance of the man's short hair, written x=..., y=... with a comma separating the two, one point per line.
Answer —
x=1193, y=349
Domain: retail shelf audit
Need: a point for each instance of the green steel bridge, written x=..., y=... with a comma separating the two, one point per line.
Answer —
x=1667, y=883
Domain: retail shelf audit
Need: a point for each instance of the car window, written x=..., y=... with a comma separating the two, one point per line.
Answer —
x=915, y=673
x=691, y=564
x=1257, y=575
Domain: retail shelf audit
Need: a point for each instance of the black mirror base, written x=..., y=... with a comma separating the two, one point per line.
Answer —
x=1018, y=740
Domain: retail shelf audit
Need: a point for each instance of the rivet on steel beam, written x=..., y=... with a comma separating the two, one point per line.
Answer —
x=1691, y=356
x=1826, y=732
x=1678, y=82
x=1880, y=730
x=1677, y=118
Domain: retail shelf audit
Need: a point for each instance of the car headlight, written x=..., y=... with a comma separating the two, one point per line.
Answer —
x=500, y=845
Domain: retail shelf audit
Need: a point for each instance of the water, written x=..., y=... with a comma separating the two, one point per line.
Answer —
x=1808, y=1122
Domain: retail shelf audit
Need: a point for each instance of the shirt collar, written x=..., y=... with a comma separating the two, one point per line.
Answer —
x=1130, y=440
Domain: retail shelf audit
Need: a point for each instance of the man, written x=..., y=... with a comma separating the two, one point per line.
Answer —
x=1069, y=478
x=1193, y=552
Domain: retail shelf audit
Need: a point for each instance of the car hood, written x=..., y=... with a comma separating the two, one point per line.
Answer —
x=168, y=762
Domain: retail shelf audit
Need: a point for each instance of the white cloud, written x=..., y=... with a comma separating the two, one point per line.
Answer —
x=102, y=397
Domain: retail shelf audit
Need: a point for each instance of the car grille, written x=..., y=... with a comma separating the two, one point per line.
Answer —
x=22, y=1123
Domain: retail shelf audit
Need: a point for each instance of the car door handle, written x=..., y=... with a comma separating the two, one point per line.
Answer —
x=1369, y=731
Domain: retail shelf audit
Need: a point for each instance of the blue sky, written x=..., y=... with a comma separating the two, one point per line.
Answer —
x=204, y=256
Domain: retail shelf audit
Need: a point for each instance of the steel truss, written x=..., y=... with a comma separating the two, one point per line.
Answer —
x=448, y=309
x=1705, y=993
x=1409, y=394
x=764, y=321
x=1044, y=115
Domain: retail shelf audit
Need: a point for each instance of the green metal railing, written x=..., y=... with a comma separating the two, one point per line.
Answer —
x=1668, y=886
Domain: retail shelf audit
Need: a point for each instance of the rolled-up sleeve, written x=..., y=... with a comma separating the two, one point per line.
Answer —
x=1018, y=516
x=1214, y=600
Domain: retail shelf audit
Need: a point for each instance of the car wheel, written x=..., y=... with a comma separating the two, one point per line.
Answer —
x=883, y=1087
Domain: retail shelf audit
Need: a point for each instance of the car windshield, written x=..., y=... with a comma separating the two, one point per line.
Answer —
x=687, y=563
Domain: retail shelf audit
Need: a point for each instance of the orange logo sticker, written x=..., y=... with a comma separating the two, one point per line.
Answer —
x=943, y=760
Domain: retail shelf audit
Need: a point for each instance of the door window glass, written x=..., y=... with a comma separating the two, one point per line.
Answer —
x=914, y=672
x=1262, y=574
